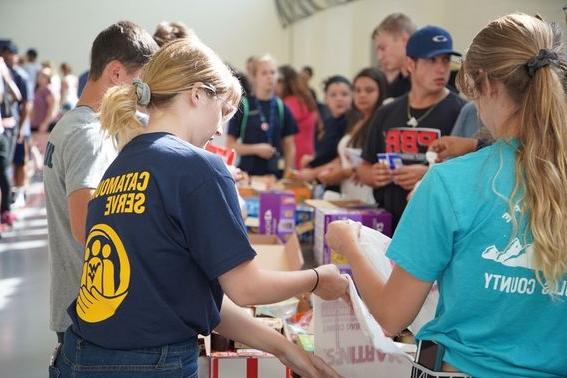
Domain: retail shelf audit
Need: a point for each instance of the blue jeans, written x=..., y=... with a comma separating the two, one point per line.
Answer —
x=79, y=358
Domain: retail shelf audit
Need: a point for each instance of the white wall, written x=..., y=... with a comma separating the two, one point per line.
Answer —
x=338, y=39
x=63, y=30
x=333, y=41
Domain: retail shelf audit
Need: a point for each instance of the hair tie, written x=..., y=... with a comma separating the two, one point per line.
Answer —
x=544, y=58
x=143, y=92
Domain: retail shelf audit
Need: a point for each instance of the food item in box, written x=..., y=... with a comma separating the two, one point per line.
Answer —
x=392, y=160
x=277, y=213
x=282, y=309
x=252, y=206
x=307, y=342
x=304, y=223
x=327, y=212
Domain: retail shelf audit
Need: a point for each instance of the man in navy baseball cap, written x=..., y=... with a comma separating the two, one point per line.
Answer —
x=429, y=42
x=409, y=124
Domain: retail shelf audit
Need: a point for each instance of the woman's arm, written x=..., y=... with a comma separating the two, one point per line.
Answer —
x=236, y=324
x=44, y=124
x=394, y=303
x=288, y=144
x=248, y=284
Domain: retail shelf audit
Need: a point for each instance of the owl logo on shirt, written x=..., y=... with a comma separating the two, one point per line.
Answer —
x=106, y=275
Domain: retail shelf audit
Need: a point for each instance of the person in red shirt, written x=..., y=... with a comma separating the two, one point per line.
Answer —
x=300, y=101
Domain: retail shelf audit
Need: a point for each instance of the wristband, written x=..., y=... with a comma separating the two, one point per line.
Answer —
x=316, y=282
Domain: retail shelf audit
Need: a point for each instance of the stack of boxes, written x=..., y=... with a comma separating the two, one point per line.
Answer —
x=281, y=219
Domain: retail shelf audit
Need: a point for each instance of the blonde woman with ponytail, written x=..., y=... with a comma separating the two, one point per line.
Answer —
x=165, y=238
x=490, y=227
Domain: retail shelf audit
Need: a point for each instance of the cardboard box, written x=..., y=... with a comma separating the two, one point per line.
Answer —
x=277, y=213
x=340, y=342
x=301, y=189
x=255, y=184
x=329, y=211
x=247, y=363
x=275, y=254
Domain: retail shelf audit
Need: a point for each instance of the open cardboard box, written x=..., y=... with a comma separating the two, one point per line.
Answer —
x=273, y=254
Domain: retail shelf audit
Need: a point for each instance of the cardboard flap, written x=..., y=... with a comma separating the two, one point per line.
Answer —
x=272, y=257
x=264, y=239
x=293, y=252
x=272, y=254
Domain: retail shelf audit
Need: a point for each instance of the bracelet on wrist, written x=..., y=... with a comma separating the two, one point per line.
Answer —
x=317, y=281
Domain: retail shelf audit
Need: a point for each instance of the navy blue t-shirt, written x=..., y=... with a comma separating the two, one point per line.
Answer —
x=326, y=146
x=254, y=133
x=163, y=225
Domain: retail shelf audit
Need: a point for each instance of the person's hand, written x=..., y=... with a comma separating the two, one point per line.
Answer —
x=381, y=175
x=305, y=364
x=237, y=174
x=40, y=140
x=342, y=237
x=306, y=174
x=408, y=175
x=20, y=138
x=265, y=150
x=332, y=284
x=333, y=175
x=451, y=146
x=305, y=160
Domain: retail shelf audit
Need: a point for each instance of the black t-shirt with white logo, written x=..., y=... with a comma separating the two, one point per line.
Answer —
x=389, y=132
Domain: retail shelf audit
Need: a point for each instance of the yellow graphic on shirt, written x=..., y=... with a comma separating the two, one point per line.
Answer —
x=125, y=193
x=102, y=290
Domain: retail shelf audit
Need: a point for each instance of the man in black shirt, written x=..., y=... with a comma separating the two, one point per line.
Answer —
x=410, y=123
x=390, y=38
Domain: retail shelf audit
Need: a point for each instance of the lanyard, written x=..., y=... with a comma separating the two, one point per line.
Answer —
x=270, y=121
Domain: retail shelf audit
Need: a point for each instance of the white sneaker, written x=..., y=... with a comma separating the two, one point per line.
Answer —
x=19, y=199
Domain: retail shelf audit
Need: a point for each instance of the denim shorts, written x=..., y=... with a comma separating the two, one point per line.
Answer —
x=79, y=358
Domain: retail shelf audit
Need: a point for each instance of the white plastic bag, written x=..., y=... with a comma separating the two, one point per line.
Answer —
x=375, y=244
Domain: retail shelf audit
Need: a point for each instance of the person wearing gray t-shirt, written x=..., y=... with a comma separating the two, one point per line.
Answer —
x=78, y=154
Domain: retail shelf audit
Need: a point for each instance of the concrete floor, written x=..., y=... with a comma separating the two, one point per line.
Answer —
x=25, y=339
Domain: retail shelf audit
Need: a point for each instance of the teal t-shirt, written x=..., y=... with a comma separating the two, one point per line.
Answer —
x=494, y=318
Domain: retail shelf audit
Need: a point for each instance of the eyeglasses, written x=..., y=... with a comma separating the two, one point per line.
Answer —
x=227, y=108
